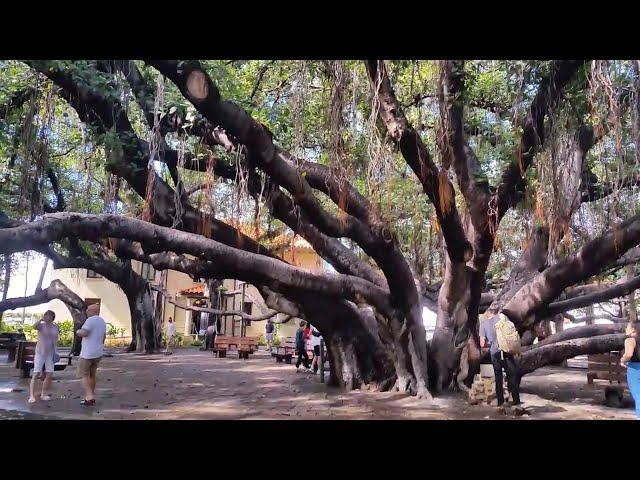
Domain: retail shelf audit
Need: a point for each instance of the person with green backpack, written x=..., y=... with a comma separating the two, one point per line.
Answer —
x=502, y=337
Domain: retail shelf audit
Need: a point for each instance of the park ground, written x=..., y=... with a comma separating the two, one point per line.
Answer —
x=191, y=384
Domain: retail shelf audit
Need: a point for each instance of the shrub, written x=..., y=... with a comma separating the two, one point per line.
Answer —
x=196, y=343
x=66, y=333
x=8, y=328
x=112, y=331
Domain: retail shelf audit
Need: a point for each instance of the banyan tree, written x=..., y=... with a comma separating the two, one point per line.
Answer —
x=445, y=185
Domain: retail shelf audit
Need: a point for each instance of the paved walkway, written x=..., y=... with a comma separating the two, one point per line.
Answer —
x=194, y=385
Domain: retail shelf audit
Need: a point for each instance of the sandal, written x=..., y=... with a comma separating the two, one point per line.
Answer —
x=88, y=402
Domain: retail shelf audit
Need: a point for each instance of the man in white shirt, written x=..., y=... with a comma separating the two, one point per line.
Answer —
x=171, y=333
x=93, y=333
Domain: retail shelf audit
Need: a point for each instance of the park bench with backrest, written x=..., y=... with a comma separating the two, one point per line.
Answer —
x=285, y=350
x=605, y=371
x=9, y=341
x=243, y=345
x=26, y=352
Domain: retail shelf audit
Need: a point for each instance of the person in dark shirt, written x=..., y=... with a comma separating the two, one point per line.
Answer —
x=301, y=348
x=499, y=359
x=268, y=330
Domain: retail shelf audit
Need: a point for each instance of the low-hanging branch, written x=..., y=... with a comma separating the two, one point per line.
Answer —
x=593, y=257
x=245, y=316
x=619, y=290
x=227, y=260
x=597, y=191
x=577, y=332
x=591, y=318
x=558, y=352
x=56, y=290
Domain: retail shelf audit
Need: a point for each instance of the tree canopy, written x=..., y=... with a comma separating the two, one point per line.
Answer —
x=453, y=185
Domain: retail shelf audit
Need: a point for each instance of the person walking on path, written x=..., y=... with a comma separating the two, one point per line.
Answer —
x=631, y=360
x=301, y=348
x=171, y=333
x=268, y=333
x=93, y=333
x=45, y=357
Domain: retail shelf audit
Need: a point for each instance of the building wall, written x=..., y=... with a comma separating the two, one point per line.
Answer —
x=177, y=281
x=301, y=258
x=114, y=307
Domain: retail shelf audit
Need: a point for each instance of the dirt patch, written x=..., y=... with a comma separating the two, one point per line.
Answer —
x=195, y=385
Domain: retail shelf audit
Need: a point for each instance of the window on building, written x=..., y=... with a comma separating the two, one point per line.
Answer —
x=148, y=272
x=92, y=274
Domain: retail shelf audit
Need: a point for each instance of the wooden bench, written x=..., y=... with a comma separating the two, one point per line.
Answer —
x=287, y=350
x=9, y=341
x=247, y=346
x=243, y=345
x=284, y=351
x=25, y=355
x=605, y=371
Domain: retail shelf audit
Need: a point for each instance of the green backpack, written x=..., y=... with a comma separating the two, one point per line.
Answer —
x=507, y=335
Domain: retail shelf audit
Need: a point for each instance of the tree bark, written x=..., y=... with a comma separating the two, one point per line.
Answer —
x=588, y=261
x=557, y=352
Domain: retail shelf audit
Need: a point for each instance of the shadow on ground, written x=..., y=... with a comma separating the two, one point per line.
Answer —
x=192, y=384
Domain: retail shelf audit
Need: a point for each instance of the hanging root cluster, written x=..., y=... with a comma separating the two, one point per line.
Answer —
x=155, y=142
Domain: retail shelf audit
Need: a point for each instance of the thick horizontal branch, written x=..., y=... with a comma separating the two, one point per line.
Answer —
x=597, y=191
x=239, y=264
x=618, y=290
x=213, y=311
x=578, y=332
x=56, y=290
x=591, y=318
x=560, y=351
x=236, y=313
x=588, y=261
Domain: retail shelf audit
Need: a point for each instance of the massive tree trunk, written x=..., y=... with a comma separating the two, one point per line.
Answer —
x=146, y=331
x=359, y=349
x=464, y=281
